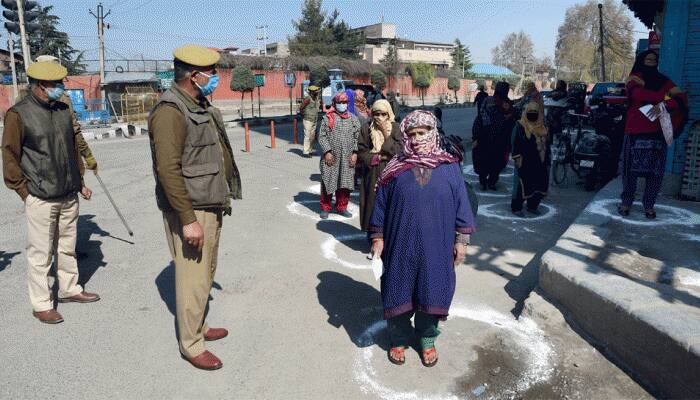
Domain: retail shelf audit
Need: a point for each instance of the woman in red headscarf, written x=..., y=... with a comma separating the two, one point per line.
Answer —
x=338, y=140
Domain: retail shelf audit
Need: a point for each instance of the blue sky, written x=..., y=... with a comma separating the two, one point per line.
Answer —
x=152, y=28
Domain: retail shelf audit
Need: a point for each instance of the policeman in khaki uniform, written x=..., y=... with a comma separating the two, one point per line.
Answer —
x=196, y=178
x=309, y=109
x=42, y=164
x=90, y=162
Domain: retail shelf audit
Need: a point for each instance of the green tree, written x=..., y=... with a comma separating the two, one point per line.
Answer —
x=48, y=40
x=461, y=57
x=514, y=51
x=577, y=53
x=319, y=76
x=454, y=84
x=423, y=75
x=320, y=34
x=391, y=63
x=243, y=81
x=378, y=79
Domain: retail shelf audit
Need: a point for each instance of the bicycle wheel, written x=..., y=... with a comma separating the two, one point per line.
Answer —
x=559, y=172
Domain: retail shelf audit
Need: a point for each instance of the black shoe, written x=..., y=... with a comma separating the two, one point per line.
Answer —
x=492, y=186
x=650, y=214
x=534, y=211
x=624, y=211
x=519, y=213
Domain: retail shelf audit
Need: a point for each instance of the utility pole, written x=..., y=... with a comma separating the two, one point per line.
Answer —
x=602, y=42
x=522, y=76
x=101, y=36
x=23, y=34
x=262, y=36
x=11, y=49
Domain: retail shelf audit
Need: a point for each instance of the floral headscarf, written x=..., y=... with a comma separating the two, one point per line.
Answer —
x=424, y=153
x=361, y=108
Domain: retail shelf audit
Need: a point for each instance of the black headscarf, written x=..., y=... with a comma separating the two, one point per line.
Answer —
x=653, y=79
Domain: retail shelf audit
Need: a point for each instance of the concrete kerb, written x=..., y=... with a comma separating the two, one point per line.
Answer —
x=121, y=130
x=658, y=340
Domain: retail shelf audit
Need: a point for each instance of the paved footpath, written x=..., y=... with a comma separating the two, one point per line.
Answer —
x=302, y=306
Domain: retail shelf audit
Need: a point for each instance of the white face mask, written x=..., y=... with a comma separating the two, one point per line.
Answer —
x=341, y=107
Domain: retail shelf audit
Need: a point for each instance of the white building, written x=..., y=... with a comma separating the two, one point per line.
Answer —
x=380, y=37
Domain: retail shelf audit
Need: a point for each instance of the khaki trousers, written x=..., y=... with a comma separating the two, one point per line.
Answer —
x=309, y=136
x=194, y=275
x=52, y=226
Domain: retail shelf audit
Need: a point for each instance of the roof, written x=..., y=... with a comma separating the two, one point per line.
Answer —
x=490, y=70
x=129, y=77
x=645, y=10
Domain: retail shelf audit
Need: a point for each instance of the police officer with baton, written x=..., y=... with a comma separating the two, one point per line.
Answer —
x=41, y=162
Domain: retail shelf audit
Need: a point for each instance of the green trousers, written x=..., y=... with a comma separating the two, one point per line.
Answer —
x=426, y=329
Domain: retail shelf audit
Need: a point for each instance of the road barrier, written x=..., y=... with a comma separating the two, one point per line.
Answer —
x=272, y=135
x=247, y=138
x=296, y=131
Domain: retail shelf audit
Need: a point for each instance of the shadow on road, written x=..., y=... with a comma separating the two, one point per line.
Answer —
x=355, y=306
x=165, y=282
x=88, y=250
x=6, y=259
x=339, y=230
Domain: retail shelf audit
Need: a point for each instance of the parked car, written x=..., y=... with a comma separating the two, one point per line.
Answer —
x=614, y=91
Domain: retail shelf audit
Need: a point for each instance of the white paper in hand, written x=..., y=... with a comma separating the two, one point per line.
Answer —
x=666, y=125
x=377, y=266
x=645, y=110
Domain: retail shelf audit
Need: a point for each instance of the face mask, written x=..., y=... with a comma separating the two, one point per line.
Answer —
x=381, y=119
x=341, y=107
x=532, y=117
x=55, y=93
x=210, y=86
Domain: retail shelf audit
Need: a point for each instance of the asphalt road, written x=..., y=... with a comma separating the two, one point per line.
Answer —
x=302, y=307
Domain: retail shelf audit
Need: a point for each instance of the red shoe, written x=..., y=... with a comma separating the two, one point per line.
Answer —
x=206, y=361
x=215, y=334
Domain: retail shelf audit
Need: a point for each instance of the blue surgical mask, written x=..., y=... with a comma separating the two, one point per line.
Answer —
x=56, y=92
x=341, y=107
x=210, y=86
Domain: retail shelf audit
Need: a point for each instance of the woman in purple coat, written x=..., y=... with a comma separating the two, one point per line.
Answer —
x=420, y=225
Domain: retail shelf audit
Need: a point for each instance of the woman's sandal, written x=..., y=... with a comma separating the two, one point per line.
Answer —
x=399, y=351
x=624, y=211
x=650, y=214
x=425, y=355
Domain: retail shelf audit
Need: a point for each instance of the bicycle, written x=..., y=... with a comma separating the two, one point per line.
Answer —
x=563, y=150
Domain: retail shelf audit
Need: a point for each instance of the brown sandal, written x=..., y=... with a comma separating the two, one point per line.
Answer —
x=426, y=354
x=401, y=352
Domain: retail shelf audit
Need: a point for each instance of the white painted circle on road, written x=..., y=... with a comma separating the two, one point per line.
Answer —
x=666, y=215
x=328, y=250
x=506, y=214
x=507, y=172
x=298, y=208
x=524, y=331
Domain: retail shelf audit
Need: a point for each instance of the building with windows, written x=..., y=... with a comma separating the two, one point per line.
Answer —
x=378, y=38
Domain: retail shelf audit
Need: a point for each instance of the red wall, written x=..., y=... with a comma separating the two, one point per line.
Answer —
x=89, y=83
x=274, y=88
